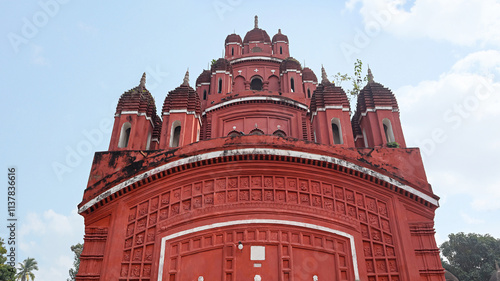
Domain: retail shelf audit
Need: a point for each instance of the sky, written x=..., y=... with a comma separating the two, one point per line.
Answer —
x=64, y=64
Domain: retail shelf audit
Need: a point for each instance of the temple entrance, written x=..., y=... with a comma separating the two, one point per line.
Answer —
x=259, y=253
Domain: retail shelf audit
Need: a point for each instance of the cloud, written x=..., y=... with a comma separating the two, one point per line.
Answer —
x=37, y=56
x=453, y=121
x=87, y=28
x=460, y=22
x=470, y=220
x=47, y=237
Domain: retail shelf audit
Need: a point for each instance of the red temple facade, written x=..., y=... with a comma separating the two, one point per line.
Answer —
x=258, y=172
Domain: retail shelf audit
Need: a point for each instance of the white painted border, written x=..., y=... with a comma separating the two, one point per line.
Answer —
x=296, y=103
x=255, y=58
x=257, y=221
x=253, y=151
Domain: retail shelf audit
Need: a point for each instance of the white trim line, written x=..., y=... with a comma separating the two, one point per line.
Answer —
x=256, y=58
x=263, y=151
x=328, y=107
x=258, y=221
x=254, y=98
x=138, y=114
x=184, y=111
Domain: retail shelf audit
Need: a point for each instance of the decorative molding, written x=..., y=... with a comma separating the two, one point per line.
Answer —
x=259, y=221
x=254, y=98
x=257, y=151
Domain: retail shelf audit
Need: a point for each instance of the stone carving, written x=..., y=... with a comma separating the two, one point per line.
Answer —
x=138, y=254
x=209, y=199
x=175, y=209
x=244, y=182
x=140, y=239
x=124, y=271
x=130, y=229
x=186, y=205
x=163, y=214
x=233, y=183
x=280, y=183
x=292, y=184
x=154, y=204
x=197, y=202
x=141, y=224
x=315, y=187
x=256, y=195
x=136, y=271
x=369, y=266
x=256, y=181
x=304, y=185
x=221, y=184
x=146, y=272
x=152, y=219
x=268, y=182
x=268, y=195
x=186, y=192
x=381, y=266
x=165, y=199
x=126, y=256
x=244, y=195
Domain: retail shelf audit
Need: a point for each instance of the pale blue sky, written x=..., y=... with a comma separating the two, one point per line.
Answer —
x=63, y=76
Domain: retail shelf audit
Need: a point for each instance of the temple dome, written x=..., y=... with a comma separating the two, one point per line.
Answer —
x=221, y=64
x=290, y=63
x=257, y=35
x=137, y=99
x=233, y=38
x=375, y=95
x=280, y=37
x=308, y=75
x=204, y=77
x=183, y=97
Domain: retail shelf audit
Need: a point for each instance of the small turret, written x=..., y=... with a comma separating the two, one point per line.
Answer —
x=181, y=116
x=134, y=119
x=376, y=121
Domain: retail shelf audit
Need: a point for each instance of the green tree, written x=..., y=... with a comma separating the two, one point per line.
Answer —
x=357, y=80
x=26, y=269
x=7, y=272
x=471, y=256
x=77, y=250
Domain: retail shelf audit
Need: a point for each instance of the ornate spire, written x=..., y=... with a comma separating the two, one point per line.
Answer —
x=256, y=22
x=186, y=78
x=143, y=81
x=370, y=75
x=324, y=77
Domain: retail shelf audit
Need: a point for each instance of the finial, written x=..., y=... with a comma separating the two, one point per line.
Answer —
x=143, y=80
x=370, y=75
x=256, y=22
x=186, y=78
x=324, y=77
x=279, y=31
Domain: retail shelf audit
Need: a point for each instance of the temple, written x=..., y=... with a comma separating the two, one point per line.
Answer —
x=259, y=171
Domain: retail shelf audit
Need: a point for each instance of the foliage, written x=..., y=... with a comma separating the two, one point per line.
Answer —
x=77, y=250
x=393, y=144
x=26, y=269
x=213, y=62
x=7, y=272
x=471, y=256
x=357, y=79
